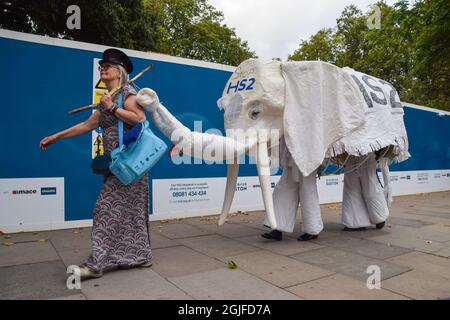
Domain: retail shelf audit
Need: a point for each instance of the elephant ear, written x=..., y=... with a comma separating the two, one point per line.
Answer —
x=323, y=104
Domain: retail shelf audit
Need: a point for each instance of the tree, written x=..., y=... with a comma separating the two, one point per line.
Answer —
x=321, y=46
x=193, y=29
x=108, y=22
x=185, y=28
x=411, y=49
x=432, y=54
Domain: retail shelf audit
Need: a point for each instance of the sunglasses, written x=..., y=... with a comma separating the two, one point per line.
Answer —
x=106, y=67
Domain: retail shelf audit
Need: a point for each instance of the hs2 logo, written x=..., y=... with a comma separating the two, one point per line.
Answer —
x=241, y=85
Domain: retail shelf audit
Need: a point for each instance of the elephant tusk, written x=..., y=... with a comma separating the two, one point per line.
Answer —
x=232, y=175
x=263, y=164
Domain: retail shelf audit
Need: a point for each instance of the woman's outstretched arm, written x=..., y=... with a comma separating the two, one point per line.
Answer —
x=81, y=128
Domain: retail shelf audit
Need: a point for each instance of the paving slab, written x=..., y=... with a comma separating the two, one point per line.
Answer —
x=69, y=239
x=419, y=285
x=159, y=241
x=428, y=263
x=27, y=252
x=332, y=217
x=74, y=297
x=407, y=222
x=364, y=247
x=287, y=246
x=444, y=252
x=435, y=232
x=180, y=261
x=74, y=256
x=132, y=284
x=423, y=218
x=217, y=246
x=254, y=223
x=23, y=237
x=426, y=240
x=337, y=229
x=349, y=264
x=230, y=230
x=277, y=269
x=340, y=287
x=178, y=230
x=426, y=208
x=427, y=212
x=35, y=281
x=230, y=284
x=197, y=221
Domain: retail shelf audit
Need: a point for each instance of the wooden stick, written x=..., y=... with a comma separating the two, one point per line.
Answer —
x=113, y=91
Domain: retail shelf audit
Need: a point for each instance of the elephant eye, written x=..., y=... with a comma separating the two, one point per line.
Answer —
x=254, y=114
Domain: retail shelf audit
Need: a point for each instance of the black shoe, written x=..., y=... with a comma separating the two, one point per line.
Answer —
x=355, y=229
x=307, y=237
x=380, y=225
x=273, y=235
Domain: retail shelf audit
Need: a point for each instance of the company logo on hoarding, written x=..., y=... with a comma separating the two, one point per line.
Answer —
x=241, y=186
x=48, y=191
x=422, y=177
x=332, y=181
x=19, y=192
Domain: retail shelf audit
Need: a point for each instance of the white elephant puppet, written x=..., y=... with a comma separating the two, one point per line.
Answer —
x=301, y=114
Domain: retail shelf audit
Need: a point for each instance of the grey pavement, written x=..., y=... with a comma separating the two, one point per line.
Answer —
x=191, y=259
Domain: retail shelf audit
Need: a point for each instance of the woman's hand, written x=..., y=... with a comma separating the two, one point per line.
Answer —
x=107, y=101
x=47, y=141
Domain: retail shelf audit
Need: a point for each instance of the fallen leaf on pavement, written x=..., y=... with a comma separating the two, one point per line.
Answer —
x=232, y=264
x=8, y=244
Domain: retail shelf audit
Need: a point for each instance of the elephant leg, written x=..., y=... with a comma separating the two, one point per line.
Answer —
x=285, y=201
x=373, y=193
x=354, y=210
x=310, y=206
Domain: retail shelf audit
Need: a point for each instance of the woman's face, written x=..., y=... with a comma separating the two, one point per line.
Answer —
x=109, y=72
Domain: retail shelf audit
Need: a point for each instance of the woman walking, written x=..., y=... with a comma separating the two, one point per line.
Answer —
x=120, y=233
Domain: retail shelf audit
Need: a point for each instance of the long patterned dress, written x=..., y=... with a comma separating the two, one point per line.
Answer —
x=120, y=233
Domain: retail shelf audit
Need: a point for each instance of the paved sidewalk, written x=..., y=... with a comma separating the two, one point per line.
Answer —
x=191, y=259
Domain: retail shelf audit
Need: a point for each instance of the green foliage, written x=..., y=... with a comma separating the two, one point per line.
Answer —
x=193, y=29
x=108, y=22
x=321, y=46
x=411, y=49
x=184, y=28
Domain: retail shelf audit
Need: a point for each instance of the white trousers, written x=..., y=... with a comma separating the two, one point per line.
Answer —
x=364, y=202
x=293, y=188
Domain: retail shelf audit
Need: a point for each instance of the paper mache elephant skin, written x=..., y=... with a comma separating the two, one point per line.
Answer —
x=320, y=110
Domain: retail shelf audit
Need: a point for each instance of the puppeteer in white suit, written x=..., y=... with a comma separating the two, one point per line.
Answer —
x=365, y=200
x=291, y=190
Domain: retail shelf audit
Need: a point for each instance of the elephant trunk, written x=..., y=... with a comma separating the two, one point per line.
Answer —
x=215, y=148
x=204, y=146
